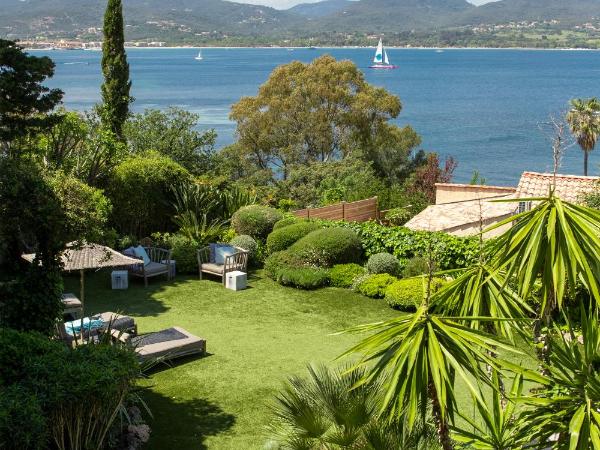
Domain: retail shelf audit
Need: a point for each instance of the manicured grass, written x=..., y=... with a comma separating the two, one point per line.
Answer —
x=255, y=339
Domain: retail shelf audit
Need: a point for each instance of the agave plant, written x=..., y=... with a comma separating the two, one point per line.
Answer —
x=416, y=358
x=565, y=412
x=200, y=230
x=327, y=411
x=499, y=427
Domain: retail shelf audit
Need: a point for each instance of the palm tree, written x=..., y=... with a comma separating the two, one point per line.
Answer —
x=565, y=410
x=500, y=427
x=584, y=122
x=327, y=411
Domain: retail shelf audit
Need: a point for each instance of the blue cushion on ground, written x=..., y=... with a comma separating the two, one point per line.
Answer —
x=75, y=326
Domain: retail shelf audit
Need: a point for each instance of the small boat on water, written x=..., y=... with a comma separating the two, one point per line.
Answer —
x=199, y=57
x=381, y=60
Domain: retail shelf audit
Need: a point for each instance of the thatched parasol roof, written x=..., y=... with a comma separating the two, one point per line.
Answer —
x=90, y=256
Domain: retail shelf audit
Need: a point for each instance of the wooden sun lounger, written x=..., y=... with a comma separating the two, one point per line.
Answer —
x=166, y=344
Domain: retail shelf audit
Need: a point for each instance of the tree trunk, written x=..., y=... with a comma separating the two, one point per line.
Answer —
x=440, y=422
x=585, y=162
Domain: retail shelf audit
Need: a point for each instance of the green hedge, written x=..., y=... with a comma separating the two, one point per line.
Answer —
x=374, y=286
x=283, y=238
x=287, y=220
x=327, y=247
x=343, y=275
x=303, y=277
x=452, y=252
x=255, y=220
x=408, y=294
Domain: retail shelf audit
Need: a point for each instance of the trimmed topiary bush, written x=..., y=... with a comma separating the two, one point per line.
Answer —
x=374, y=286
x=184, y=253
x=303, y=277
x=408, y=294
x=255, y=220
x=247, y=243
x=283, y=238
x=328, y=246
x=414, y=267
x=383, y=263
x=287, y=220
x=278, y=260
x=343, y=275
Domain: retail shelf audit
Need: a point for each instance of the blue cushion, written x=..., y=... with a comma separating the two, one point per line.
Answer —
x=222, y=252
x=75, y=326
x=140, y=252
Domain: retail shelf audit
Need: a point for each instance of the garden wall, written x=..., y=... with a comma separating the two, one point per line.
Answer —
x=360, y=211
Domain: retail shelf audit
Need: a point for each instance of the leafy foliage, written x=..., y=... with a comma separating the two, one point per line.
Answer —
x=407, y=294
x=343, y=275
x=375, y=286
x=327, y=411
x=283, y=238
x=451, y=252
x=24, y=101
x=302, y=277
x=383, y=263
x=415, y=266
x=327, y=247
x=172, y=133
x=245, y=242
x=255, y=220
x=584, y=122
x=288, y=219
x=142, y=195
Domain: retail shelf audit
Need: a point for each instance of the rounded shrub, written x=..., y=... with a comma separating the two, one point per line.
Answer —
x=328, y=246
x=283, y=238
x=303, y=277
x=343, y=275
x=288, y=219
x=375, y=285
x=407, y=294
x=247, y=243
x=255, y=220
x=277, y=260
x=383, y=263
x=414, y=267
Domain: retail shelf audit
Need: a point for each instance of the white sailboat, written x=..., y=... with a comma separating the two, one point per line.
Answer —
x=381, y=60
x=199, y=57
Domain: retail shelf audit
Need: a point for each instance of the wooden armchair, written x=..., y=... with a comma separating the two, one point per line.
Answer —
x=237, y=261
x=156, y=266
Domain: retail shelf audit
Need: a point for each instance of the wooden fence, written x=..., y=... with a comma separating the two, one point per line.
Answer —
x=359, y=211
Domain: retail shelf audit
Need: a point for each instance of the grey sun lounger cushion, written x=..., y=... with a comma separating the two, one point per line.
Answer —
x=168, y=344
x=116, y=321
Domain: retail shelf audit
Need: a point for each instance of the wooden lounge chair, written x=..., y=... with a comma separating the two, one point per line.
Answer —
x=164, y=345
x=207, y=264
x=156, y=266
x=112, y=321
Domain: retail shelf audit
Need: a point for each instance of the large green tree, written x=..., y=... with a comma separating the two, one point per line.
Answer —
x=584, y=122
x=321, y=111
x=25, y=103
x=116, y=86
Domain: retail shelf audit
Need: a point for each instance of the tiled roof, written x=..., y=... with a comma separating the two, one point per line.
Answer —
x=91, y=256
x=570, y=188
x=447, y=216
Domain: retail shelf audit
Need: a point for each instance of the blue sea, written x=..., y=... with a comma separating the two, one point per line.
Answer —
x=487, y=108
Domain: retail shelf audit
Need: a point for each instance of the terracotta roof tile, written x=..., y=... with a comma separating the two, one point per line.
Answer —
x=570, y=188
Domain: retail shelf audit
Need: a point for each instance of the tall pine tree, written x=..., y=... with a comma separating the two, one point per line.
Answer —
x=115, y=90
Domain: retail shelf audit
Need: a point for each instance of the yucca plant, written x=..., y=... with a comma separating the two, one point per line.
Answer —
x=327, y=411
x=565, y=412
x=416, y=358
x=499, y=426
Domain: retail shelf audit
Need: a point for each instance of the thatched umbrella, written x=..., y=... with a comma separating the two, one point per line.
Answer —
x=82, y=256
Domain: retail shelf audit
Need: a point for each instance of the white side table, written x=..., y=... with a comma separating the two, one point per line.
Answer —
x=119, y=279
x=236, y=280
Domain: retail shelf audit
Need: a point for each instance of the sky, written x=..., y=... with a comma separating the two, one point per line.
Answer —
x=284, y=4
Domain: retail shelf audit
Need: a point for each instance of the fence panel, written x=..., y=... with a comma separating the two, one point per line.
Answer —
x=359, y=211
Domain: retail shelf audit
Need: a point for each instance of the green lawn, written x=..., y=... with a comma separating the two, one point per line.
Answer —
x=255, y=339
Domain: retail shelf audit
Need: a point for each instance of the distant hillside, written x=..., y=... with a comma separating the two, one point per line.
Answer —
x=320, y=9
x=531, y=10
x=342, y=22
x=395, y=15
x=143, y=17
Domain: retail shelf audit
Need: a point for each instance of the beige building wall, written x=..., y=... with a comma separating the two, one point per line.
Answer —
x=452, y=193
x=472, y=229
